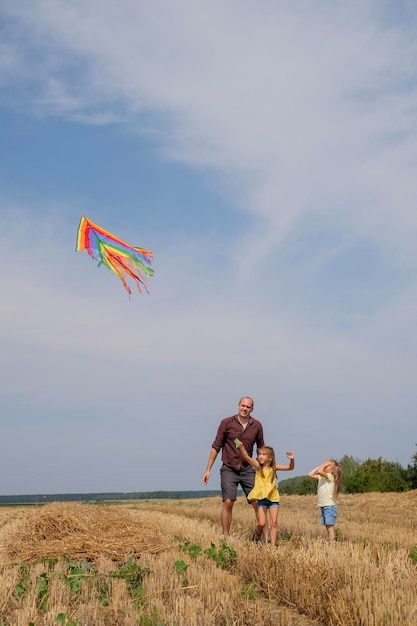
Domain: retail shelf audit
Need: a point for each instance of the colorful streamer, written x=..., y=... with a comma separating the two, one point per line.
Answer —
x=118, y=256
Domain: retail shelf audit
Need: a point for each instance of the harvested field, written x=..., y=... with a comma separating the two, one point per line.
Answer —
x=164, y=563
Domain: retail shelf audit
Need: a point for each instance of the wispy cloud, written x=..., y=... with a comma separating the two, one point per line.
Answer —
x=309, y=116
x=305, y=119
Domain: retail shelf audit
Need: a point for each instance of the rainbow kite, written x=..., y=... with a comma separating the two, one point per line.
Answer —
x=114, y=254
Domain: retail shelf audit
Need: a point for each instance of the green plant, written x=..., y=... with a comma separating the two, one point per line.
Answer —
x=76, y=573
x=133, y=575
x=181, y=568
x=192, y=549
x=21, y=589
x=50, y=563
x=103, y=592
x=225, y=556
x=150, y=620
x=64, y=621
x=413, y=554
x=249, y=592
x=43, y=591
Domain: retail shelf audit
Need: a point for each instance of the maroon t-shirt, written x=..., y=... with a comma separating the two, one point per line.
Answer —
x=230, y=429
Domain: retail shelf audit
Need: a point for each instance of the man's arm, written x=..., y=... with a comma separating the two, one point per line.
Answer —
x=260, y=441
x=212, y=457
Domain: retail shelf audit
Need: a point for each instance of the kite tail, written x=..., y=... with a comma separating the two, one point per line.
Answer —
x=116, y=255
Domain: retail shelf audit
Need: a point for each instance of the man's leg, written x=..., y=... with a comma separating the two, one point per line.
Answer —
x=226, y=517
x=229, y=480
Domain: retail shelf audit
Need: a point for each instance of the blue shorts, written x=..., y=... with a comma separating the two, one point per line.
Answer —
x=328, y=515
x=267, y=504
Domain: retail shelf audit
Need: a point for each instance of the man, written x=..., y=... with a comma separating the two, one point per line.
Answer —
x=235, y=470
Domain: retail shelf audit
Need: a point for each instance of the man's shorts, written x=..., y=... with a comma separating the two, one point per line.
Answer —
x=230, y=479
x=328, y=515
x=267, y=504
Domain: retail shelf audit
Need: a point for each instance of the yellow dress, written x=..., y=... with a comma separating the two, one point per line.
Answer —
x=265, y=486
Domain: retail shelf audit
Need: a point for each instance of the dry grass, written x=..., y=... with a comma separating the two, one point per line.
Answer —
x=80, y=531
x=366, y=579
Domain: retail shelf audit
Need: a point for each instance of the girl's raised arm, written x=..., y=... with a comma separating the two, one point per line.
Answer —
x=290, y=466
x=319, y=471
x=246, y=456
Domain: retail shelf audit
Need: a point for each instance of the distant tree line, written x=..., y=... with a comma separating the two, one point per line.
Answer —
x=358, y=477
x=106, y=497
x=361, y=477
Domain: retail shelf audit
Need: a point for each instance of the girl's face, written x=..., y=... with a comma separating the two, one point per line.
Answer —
x=263, y=457
x=329, y=468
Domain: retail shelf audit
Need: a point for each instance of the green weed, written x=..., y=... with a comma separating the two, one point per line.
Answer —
x=133, y=574
x=150, y=620
x=49, y=563
x=21, y=589
x=181, y=568
x=225, y=556
x=76, y=574
x=64, y=621
x=103, y=592
x=42, y=598
x=413, y=554
x=249, y=592
x=192, y=549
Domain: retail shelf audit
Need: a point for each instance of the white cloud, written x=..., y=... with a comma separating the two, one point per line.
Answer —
x=309, y=115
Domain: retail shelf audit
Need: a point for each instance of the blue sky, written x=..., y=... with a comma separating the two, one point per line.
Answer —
x=266, y=153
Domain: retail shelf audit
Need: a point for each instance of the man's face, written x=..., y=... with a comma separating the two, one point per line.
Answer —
x=245, y=407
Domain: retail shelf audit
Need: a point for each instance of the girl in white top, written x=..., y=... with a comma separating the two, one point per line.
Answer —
x=328, y=475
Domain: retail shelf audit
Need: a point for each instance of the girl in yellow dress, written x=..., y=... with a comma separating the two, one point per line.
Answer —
x=265, y=490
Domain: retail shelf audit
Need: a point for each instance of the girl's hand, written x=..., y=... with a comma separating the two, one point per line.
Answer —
x=290, y=455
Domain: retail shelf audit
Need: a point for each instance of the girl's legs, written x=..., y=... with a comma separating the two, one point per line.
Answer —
x=273, y=518
x=266, y=529
x=328, y=519
x=330, y=532
x=261, y=517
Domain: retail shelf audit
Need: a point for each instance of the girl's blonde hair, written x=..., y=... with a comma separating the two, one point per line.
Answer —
x=271, y=457
x=337, y=473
